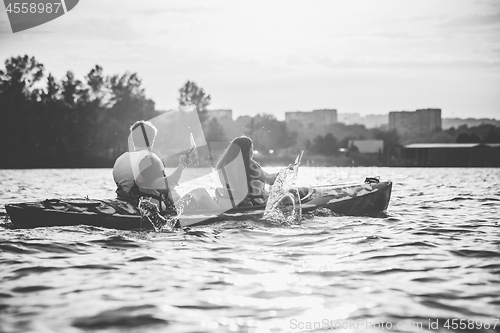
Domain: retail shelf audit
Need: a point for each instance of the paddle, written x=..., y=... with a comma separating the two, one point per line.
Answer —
x=298, y=160
x=192, y=153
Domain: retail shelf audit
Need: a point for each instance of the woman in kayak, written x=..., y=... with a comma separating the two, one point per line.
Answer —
x=243, y=179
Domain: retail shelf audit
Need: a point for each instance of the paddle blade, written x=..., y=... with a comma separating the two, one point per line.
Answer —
x=298, y=159
x=192, y=153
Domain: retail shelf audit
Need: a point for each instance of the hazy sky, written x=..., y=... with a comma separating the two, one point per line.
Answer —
x=367, y=56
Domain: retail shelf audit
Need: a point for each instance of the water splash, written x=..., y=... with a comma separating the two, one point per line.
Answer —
x=283, y=205
x=166, y=220
x=150, y=213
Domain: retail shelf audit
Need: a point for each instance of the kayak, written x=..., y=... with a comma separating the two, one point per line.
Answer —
x=368, y=199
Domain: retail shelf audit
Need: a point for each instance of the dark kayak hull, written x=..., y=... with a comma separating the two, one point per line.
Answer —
x=353, y=200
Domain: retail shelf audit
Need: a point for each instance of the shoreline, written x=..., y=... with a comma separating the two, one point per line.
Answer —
x=353, y=160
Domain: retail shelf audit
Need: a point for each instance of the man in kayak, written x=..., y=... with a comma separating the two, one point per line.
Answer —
x=140, y=173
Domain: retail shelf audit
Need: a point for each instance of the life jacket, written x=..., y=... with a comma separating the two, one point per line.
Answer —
x=241, y=191
x=257, y=193
x=165, y=202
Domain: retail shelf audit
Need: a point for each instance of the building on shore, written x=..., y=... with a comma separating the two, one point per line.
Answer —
x=349, y=118
x=369, y=121
x=368, y=146
x=452, y=154
x=310, y=121
x=419, y=121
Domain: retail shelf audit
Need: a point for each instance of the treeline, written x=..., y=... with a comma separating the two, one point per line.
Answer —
x=73, y=123
x=47, y=122
x=337, y=141
x=485, y=133
x=478, y=134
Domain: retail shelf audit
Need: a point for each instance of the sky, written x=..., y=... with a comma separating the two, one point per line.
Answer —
x=356, y=56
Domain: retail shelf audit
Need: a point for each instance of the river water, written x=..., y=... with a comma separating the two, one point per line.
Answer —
x=434, y=258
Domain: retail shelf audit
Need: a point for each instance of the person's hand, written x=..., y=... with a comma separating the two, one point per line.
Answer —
x=183, y=161
x=290, y=166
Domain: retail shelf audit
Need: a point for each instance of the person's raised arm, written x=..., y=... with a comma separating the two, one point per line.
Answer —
x=174, y=177
x=152, y=174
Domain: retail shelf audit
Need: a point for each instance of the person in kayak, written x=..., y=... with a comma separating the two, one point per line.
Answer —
x=243, y=179
x=140, y=173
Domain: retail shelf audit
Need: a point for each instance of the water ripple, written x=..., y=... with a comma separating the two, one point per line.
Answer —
x=433, y=257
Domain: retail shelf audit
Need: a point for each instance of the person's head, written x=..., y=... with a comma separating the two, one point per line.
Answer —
x=246, y=146
x=143, y=134
x=241, y=145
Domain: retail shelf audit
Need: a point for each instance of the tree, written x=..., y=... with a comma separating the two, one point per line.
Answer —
x=72, y=90
x=441, y=137
x=128, y=104
x=474, y=138
x=20, y=75
x=53, y=90
x=463, y=138
x=493, y=136
x=268, y=133
x=18, y=96
x=324, y=145
x=353, y=131
x=390, y=138
x=98, y=86
x=68, y=122
x=215, y=131
x=468, y=138
x=190, y=95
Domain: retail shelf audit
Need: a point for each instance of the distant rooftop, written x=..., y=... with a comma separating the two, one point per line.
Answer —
x=449, y=145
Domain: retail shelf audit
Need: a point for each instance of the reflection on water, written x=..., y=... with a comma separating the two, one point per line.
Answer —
x=434, y=257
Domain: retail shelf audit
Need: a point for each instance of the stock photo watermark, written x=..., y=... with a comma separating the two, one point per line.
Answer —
x=357, y=324
x=25, y=15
